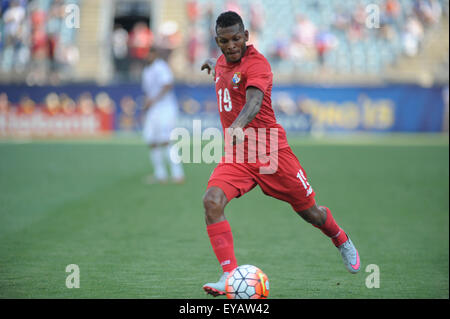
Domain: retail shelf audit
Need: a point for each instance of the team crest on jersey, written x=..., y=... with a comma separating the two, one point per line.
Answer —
x=236, y=79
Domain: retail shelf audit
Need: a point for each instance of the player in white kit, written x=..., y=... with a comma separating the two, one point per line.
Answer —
x=162, y=111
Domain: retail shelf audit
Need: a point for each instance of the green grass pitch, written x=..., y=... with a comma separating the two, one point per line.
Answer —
x=84, y=203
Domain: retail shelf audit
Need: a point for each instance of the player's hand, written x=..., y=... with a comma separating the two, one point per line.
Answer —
x=210, y=66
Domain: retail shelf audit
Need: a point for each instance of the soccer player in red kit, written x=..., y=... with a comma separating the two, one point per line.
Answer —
x=243, y=80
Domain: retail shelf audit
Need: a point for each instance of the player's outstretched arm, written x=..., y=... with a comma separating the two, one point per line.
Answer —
x=210, y=66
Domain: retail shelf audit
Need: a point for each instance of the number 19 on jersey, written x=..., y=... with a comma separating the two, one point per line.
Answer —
x=225, y=100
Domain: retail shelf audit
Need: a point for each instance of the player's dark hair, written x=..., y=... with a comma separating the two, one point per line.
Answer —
x=228, y=19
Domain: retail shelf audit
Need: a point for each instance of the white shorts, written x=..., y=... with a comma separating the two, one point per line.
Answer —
x=158, y=125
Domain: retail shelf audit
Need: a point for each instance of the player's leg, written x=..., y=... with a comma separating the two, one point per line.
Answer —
x=157, y=159
x=225, y=183
x=167, y=124
x=290, y=184
x=220, y=236
x=214, y=202
x=322, y=218
x=176, y=168
x=156, y=149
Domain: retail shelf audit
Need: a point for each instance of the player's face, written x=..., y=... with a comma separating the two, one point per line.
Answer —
x=232, y=42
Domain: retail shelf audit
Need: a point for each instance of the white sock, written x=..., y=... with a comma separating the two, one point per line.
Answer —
x=157, y=159
x=175, y=168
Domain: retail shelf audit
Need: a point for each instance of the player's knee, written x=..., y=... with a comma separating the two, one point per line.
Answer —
x=214, y=201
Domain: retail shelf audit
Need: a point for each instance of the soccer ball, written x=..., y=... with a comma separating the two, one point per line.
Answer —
x=247, y=282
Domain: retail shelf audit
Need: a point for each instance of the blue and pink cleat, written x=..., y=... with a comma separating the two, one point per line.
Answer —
x=217, y=288
x=350, y=256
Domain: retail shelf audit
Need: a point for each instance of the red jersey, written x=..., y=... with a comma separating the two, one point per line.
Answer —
x=232, y=81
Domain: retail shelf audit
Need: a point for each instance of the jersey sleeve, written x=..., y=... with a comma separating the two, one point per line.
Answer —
x=259, y=75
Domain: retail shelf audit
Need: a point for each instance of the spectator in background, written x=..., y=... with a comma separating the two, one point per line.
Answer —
x=356, y=30
x=325, y=42
x=196, y=48
x=13, y=29
x=213, y=50
x=139, y=43
x=4, y=103
x=38, y=33
x=168, y=39
x=104, y=103
x=303, y=39
x=52, y=104
x=304, y=32
x=120, y=51
x=412, y=36
x=392, y=11
x=27, y=105
x=256, y=22
x=195, y=40
x=13, y=18
x=428, y=11
x=68, y=106
x=39, y=47
x=53, y=27
x=127, y=117
x=86, y=104
x=193, y=11
x=280, y=48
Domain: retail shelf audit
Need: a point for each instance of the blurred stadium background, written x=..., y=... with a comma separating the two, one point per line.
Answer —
x=72, y=160
x=384, y=63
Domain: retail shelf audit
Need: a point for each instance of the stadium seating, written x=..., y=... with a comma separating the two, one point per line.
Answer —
x=35, y=40
x=342, y=44
x=368, y=54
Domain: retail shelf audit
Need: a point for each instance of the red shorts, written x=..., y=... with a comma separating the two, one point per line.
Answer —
x=288, y=183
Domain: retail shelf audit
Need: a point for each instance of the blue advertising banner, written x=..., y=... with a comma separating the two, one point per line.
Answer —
x=389, y=108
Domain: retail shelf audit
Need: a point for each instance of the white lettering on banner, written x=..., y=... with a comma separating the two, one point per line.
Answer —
x=41, y=124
